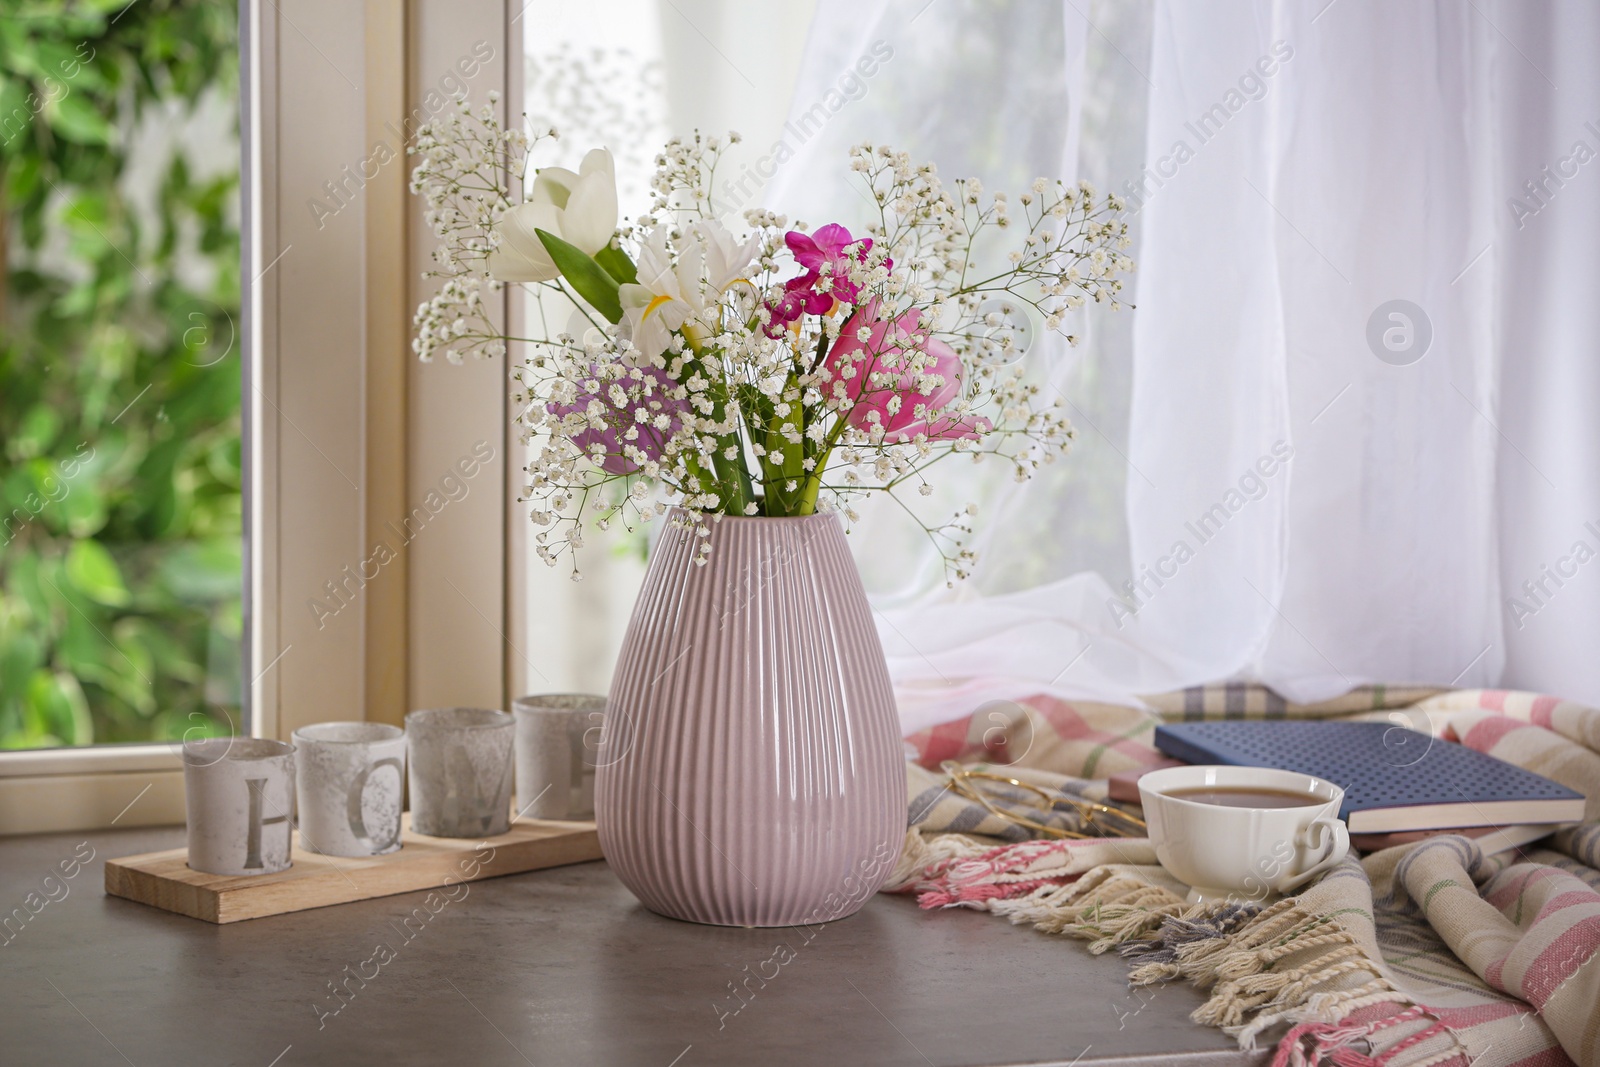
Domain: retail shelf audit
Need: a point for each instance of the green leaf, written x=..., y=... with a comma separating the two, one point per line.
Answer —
x=785, y=460
x=123, y=668
x=617, y=264
x=84, y=650
x=17, y=486
x=195, y=725
x=24, y=585
x=74, y=117
x=38, y=431
x=210, y=570
x=15, y=114
x=55, y=61
x=20, y=655
x=585, y=276
x=94, y=573
x=168, y=656
x=57, y=708
x=83, y=509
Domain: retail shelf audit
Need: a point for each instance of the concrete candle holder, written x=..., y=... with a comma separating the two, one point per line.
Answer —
x=460, y=771
x=240, y=797
x=351, y=787
x=557, y=739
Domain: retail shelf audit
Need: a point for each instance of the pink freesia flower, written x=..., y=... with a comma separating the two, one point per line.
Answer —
x=826, y=248
x=652, y=396
x=788, y=307
x=811, y=299
x=890, y=346
x=826, y=245
x=826, y=259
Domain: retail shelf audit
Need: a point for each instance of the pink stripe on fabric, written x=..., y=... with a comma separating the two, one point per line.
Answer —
x=1494, y=974
x=1334, y=1043
x=1378, y=1016
x=939, y=743
x=1569, y=899
x=1574, y=948
x=1070, y=725
x=1490, y=732
x=1493, y=699
x=972, y=895
x=1509, y=892
x=1543, y=707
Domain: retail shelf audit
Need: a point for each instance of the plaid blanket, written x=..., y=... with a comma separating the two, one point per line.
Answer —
x=1426, y=954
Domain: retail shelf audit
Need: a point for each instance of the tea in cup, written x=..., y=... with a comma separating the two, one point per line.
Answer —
x=1243, y=833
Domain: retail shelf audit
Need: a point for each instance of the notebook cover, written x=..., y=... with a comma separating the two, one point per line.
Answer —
x=1380, y=767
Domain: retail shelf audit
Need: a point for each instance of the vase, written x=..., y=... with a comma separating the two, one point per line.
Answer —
x=751, y=772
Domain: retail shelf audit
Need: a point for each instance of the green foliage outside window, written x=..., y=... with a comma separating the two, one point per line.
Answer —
x=120, y=533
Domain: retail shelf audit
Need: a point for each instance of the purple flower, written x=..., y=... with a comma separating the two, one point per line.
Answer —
x=648, y=390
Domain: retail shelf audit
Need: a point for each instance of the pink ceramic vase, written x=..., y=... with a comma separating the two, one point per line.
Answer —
x=752, y=771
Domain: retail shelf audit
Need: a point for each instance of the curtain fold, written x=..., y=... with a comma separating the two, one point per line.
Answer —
x=1357, y=395
x=1546, y=259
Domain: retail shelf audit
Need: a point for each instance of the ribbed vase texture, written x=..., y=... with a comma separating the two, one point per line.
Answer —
x=751, y=772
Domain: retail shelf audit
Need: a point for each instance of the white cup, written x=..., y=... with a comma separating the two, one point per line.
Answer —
x=1243, y=853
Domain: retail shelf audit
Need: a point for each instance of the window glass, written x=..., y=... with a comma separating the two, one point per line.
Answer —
x=120, y=536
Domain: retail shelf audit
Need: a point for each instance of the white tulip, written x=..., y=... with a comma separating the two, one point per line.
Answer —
x=580, y=208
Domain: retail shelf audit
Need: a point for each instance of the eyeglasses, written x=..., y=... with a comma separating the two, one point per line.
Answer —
x=1106, y=820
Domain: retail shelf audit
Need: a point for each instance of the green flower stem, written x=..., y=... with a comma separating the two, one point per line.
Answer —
x=732, y=480
x=731, y=473
x=813, y=484
x=785, y=459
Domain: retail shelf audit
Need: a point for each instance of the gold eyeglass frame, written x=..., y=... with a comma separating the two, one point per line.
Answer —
x=962, y=781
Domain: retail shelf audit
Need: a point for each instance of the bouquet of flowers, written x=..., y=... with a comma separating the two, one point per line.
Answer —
x=780, y=372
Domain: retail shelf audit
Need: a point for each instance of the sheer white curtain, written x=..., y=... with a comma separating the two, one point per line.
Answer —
x=1355, y=410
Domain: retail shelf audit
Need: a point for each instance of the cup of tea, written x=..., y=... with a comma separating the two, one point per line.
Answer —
x=1243, y=833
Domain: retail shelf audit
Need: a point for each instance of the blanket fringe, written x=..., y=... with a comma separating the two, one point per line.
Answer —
x=1311, y=1043
x=921, y=851
x=1260, y=965
x=1240, y=954
x=1107, y=907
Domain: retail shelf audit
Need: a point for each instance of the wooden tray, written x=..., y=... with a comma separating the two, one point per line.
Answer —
x=164, y=880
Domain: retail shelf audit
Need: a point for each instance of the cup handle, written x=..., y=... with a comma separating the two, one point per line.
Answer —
x=1334, y=830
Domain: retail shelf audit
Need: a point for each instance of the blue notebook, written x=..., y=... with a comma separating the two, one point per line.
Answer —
x=1394, y=779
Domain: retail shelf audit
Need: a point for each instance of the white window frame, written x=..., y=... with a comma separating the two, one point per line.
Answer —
x=345, y=431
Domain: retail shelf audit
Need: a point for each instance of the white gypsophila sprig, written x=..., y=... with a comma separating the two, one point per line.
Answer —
x=469, y=165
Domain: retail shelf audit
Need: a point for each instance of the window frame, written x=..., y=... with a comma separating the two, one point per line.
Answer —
x=327, y=299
